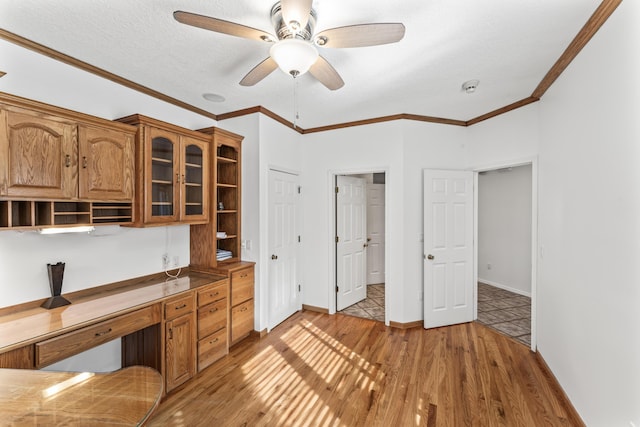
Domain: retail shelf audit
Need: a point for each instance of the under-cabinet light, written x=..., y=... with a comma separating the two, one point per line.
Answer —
x=60, y=230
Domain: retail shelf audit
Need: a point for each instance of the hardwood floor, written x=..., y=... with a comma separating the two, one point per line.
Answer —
x=322, y=370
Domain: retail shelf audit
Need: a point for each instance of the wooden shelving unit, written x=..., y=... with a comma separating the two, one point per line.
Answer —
x=30, y=214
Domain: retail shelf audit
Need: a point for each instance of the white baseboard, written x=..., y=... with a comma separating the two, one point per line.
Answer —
x=505, y=287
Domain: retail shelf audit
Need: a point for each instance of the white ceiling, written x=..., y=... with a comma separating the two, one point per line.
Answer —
x=508, y=45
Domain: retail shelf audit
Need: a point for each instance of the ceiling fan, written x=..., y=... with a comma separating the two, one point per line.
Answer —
x=294, y=47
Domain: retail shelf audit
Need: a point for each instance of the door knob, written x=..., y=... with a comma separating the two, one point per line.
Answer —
x=430, y=256
x=274, y=256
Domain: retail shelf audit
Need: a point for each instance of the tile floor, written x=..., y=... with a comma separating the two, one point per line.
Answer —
x=370, y=308
x=508, y=312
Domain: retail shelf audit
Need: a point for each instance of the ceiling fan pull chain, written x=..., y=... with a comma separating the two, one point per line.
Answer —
x=295, y=103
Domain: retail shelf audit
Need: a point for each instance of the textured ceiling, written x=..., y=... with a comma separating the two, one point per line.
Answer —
x=508, y=45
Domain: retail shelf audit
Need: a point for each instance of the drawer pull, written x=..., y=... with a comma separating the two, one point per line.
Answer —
x=170, y=333
x=245, y=274
x=180, y=307
x=99, y=334
x=244, y=309
x=214, y=295
x=213, y=310
x=214, y=341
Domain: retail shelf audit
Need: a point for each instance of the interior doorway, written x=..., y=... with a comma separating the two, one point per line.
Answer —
x=505, y=262
x=368, y=301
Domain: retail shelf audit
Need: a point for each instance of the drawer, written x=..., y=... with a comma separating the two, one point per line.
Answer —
x=212, y=318
x=178, y=306
x=241, y=285
x=63, y=346
x=241, y=320
x=212, y=293
x=212, y=348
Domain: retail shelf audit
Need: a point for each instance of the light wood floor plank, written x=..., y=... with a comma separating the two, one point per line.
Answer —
x=321, y=370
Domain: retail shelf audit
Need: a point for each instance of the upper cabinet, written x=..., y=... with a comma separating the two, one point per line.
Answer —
x=50, y=153
x=173, y=173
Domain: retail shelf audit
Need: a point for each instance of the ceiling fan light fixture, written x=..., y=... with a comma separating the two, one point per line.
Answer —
x=294, y=56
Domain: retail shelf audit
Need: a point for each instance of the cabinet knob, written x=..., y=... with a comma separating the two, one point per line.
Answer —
x=430, y=256
x=178, y=178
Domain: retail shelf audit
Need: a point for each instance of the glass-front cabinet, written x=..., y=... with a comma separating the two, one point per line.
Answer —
x=174, y=184
x=194, y=188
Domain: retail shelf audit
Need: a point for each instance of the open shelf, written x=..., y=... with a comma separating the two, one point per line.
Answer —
x=35, y=214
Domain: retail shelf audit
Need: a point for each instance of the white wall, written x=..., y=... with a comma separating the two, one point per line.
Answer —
x=349, y=151
x=589, y=274
x=504, y=228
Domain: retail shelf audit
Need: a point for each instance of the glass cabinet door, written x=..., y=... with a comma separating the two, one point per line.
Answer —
x=162, y=192
x=194, y=180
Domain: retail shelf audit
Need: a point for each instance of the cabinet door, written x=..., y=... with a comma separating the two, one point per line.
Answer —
x=38, y=156
x=180, y=350
x=162, y=176
x=194, y=180
x=241, y=321
x=106, y=164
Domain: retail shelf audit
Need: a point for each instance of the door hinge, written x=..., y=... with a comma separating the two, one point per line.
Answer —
x=337, y=239
x=337, y=289
x=299, y=288
x=299, y=239
x=337, y=189
x=299, y=189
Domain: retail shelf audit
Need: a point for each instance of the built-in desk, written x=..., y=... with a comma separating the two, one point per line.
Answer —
x=146, y=313
x=122, y=398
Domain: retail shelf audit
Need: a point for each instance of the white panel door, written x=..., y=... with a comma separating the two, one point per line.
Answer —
x=284, y=292
x=448, y=247
x=375, y=233
x=351, y=233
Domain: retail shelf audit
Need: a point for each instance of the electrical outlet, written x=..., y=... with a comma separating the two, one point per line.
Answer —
x=165, y=261
x=176, y=261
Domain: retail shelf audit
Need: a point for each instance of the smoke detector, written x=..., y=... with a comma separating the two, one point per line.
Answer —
x=470, y=86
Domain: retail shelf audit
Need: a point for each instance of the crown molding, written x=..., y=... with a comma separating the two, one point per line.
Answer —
x=597, y=19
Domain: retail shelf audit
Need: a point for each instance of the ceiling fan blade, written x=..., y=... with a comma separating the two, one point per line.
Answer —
x=360, y=35
x=326, y=74
x=220, y=26
x=259, y=72
x=296, y=11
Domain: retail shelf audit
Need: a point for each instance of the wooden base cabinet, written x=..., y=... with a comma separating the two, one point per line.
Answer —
x=180, y=340
x=241, y=306
x=213, y=319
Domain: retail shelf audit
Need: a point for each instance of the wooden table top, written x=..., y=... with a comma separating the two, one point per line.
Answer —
x=31, y=323
x=122, y=398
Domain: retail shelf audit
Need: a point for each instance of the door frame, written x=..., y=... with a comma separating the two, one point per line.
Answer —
x=331, y=214
x=533, y=161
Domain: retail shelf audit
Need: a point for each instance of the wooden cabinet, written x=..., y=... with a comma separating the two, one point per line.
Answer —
x=105, y=170
x=46, y=156
x=219, y=242
x=180, y=340
x=212, y=324
x=173, y=173
x=241, y=306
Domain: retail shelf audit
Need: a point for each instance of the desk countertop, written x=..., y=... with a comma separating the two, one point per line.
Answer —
x=122, y=398
x=29, y=323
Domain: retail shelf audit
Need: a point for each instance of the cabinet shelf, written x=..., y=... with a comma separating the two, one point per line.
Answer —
x=223, y=185
x=161, y=160
x=229, y=236
x=162, y=182
x=193, y=165
x=162, y=204
x=228, y=211
x=226, y=160
x=193, y=184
